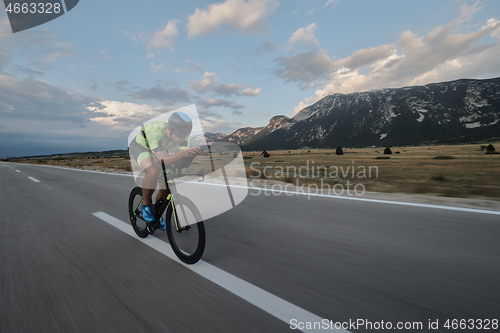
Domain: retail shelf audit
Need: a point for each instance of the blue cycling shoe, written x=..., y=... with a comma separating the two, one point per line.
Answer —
x=147, y=213
x=162, y=225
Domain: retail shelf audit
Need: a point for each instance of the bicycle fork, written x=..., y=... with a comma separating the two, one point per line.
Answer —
x=178, y=227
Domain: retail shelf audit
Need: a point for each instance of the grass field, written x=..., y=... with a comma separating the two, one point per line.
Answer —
x=458, y=170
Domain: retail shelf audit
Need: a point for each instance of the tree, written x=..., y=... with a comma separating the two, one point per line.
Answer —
x=490, y=149
x=339, y=151
x=387, y=151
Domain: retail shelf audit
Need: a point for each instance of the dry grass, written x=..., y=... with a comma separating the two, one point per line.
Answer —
x=458, y=170
x=466, y=171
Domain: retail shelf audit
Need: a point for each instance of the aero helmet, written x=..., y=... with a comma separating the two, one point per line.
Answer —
x=180, y=124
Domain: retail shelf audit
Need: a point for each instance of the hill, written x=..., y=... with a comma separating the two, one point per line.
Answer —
x=448, y=112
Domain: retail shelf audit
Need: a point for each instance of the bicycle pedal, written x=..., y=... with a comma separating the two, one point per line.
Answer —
x=151, y=227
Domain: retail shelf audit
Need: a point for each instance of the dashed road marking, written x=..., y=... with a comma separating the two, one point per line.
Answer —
x=262, y=299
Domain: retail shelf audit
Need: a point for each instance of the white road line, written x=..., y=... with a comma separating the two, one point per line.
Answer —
x=262, y=299
x=34, y=179
x=47, y=186
x=402, y=203
x=18, y=171
x=387, y=202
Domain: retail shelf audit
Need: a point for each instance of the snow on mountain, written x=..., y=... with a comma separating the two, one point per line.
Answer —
x=454, y=111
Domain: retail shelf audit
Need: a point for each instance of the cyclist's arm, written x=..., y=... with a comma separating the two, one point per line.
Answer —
x=172, y=159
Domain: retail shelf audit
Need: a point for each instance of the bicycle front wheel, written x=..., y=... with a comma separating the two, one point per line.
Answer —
x=185, y=230
x=134, y=203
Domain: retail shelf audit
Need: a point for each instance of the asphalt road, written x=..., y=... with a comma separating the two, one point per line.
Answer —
x=62, y=269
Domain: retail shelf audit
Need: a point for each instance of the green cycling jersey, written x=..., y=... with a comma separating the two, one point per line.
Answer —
x=152, y=137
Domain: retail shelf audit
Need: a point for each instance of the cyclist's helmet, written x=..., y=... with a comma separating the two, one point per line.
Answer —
x=180, y=124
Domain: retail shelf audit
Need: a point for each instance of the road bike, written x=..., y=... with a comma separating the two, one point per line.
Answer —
x=185, y=229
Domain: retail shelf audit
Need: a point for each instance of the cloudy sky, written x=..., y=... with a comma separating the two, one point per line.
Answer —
x=83, y=81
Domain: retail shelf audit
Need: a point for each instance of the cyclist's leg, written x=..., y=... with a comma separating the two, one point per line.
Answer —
x=152, y=170
x=145, y=158
x=163, y=191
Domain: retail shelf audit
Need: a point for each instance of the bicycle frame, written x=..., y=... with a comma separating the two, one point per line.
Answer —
x=162, y=204
x=179, y=218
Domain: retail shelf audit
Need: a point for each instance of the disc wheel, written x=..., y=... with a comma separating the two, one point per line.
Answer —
x=134, y=206
x=185, y=230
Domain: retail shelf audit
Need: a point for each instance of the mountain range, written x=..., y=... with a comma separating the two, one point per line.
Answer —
x=464, y=110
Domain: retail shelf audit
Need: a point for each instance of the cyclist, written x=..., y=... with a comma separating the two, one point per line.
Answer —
x=151, y=146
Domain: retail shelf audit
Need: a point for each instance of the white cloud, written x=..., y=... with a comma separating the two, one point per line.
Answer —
x=215, y=123
x=105, y=55
x=220, y=102
x=35, y=100
x=467, y=11
x=267, y=47
x=166, y=96
x=445, y=53
x=192, y=65
x=496, y=28
x=156, y=68
x=205, y=84
x=165, y=38
x=47, y=62
x=41, y=46
x=124, y=115
x=334, y=2
x=138, y=38
x=304, y=37
x=53, y=54
x=195, y=65
x=365, y=57
x=251, y=93
x=227, y=89
x=249, y=16
x=230, y=89
x=305, y=68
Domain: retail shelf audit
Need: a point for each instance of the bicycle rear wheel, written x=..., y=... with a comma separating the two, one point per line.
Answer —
x=186, y=237
x=134, y=206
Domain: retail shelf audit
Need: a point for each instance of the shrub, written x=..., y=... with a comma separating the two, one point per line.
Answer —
x=441, y=178
x=443, y=157
x=387, y=151
x=490, y=149
x=339, y=151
